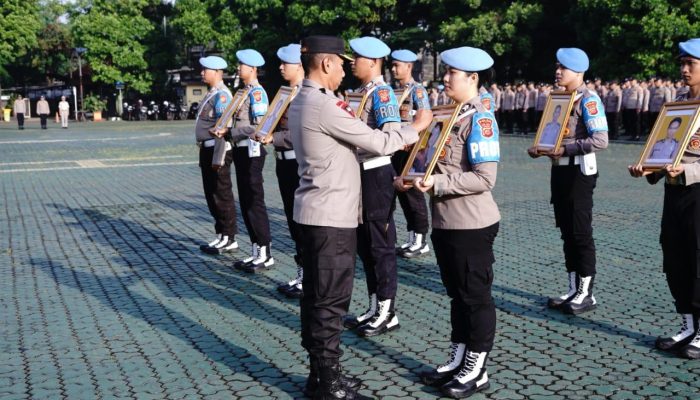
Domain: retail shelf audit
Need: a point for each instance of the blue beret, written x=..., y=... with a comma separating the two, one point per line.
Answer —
x=213, y=62
x=573, y=59
x=690, y=48
x=250, y=57
x=469, y=59
x=369, y=47
x=290, y=54
x=404, y=56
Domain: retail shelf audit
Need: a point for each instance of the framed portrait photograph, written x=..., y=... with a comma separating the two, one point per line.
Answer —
x=275, y=111
x=672, y=132
x=356, y=101
x=236, y=103
x=425, y=153
x=555, y=117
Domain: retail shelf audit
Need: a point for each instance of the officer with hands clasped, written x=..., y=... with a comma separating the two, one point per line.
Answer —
x=415, y=107
x=376, y=234
x=326, y=135
x=680, y=221
x=574, y=176
x=249, y=160
x=215, y=157
x=465, y=224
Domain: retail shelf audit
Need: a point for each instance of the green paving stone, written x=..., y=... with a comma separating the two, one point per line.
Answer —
x=148, y=313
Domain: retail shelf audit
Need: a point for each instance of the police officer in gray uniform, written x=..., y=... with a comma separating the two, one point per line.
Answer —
x=249, y=159
x=574, y=176
x=465, y=224
x=416, y=106
x=215, y=157
x=326, y=135
x=377, y=232
x=680, y=221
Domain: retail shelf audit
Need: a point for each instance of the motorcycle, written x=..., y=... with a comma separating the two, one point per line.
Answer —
x=153, y=111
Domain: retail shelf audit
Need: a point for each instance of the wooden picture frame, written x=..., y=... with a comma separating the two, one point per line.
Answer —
x=236, y=103
x=672, y=133
x=555, y=118
x=279, y=105
x=426, y=152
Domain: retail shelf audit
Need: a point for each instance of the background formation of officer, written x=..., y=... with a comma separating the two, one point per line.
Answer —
x=337, y=171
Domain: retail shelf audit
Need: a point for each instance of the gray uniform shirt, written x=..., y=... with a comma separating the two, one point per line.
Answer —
x=42, y=107
x=613, y=101
x=660, y=96
x=206, y=119
x=508, y=100
x=19, y=107
x=497, y=98
x=462, y=192
x=581, y=142
x=531, y=98
x=326, y=135
x=520, y=100
x=635, y=98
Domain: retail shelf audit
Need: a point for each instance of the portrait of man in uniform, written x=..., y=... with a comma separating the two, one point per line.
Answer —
x=427, y=149
x=430, y=144
x=554, y=119
x=551, y=130
x=665, y=149
x=277, y=107
x=673, y=130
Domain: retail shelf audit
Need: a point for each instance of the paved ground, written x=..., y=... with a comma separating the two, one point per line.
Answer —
x=105, y=294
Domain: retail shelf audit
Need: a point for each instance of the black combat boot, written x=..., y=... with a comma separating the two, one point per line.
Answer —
x=384, y=320
x=470, y=379
x=682, y=338
x=445, y=372
x=352, y=322
x=331, y=385
x=692, y=349
x=312, y=382
x=557, y=302
x=584, y=300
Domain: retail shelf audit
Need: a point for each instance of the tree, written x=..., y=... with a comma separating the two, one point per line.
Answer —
x=19, y=24
x=636, y=37
x=208, y=23
x=113, y=32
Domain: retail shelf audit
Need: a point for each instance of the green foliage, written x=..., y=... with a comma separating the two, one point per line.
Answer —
x=113, y=31
x=19, y=24
x=135, y=41
x=209, y=23
x=643, y=35
x=94, y=103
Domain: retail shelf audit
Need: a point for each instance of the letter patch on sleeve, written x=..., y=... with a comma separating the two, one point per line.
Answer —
x=258, y=102
x=482, y=142
x=594, y=114
x=420, y=98
x=221, y=101
x=385, y=105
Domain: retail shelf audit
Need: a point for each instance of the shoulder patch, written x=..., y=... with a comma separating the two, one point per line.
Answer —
x=346, y=107
x=594, y=114
x=258, y=102
x=482, y=142
x=421, y=99
x=385, y=105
